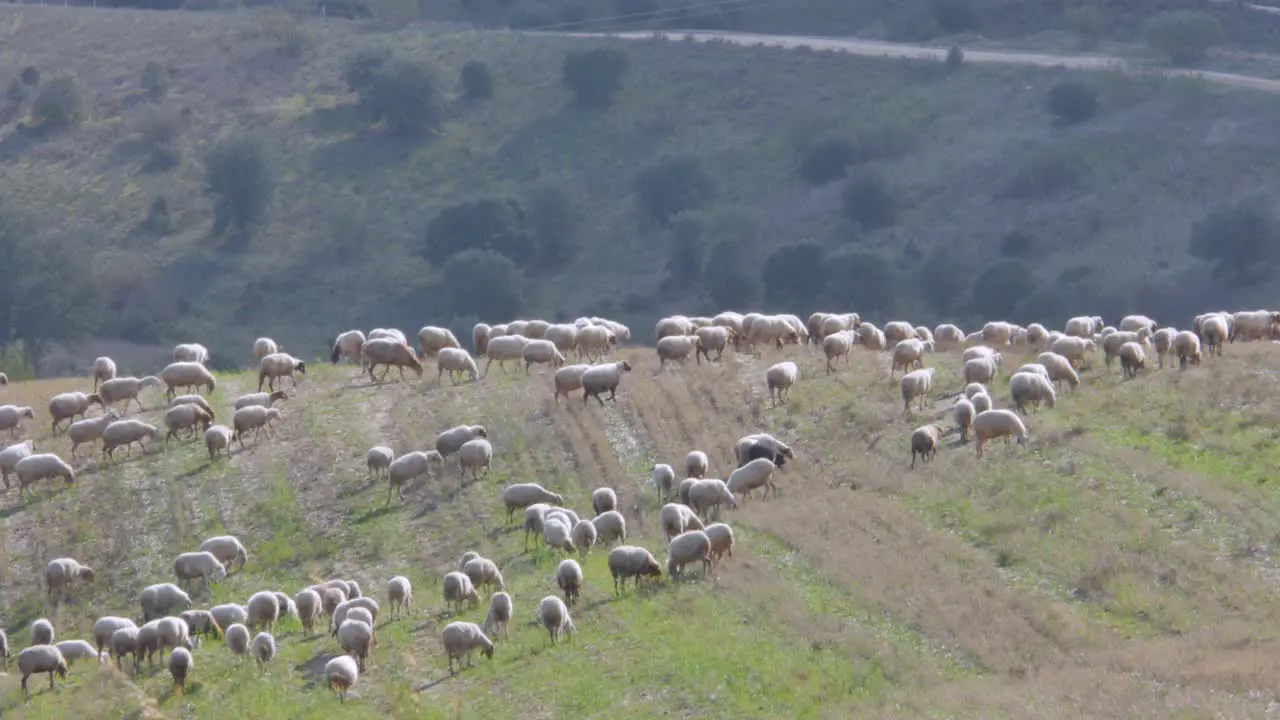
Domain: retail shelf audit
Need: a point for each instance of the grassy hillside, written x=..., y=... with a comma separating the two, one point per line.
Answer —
x=1117, y=567
x=956, y=162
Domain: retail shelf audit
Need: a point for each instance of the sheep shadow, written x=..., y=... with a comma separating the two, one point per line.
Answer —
x=313, y=668
x=375, y=513
x=424, y=626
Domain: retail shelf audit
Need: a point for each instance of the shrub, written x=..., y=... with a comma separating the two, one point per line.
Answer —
x=1016, y=243
x=955, y=58
x=1242, y=240
x=726, y=279
x=1001, y=286
x=1184, y=36
x=402, y=93
x=16, y=92
x=1071, y=102
x=155, y=80
x=595, y=76
x=159, y=127
x=673, y=186
x=158, y=219
x=359, y=70
x=553, y=219
x=942, y=278
x=1043, y=175
x=238, y=173
x=290, y=39
x=869, y=201
x=496, y=224
x=60, y=103
x=475, y=80
x=827, y=160
x=1088, y=23
x=866, y=279
x=794, y=276
x=483, y=283
x=685, y=249
x=30, y=76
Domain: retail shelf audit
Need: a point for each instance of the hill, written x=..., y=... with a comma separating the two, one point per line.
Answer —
x=892, y=186
x=1118, y=566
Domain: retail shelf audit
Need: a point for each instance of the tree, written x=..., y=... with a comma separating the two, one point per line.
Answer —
x=726, y=280
x=827, y=160
x=360, y=69
x=1185, y=36
x=155, y=80
x=942, y=279
x=1071, y=102
x=862, y=279
x=483, y=283
x=793, y=276
x=496, y=224
x=553, y=219
x=1016, y=243
x=402, y=93
x=869, y=201
x=685, y=249
x=673, y=186
x=60, y=103
x=239, y=175
x=476, y=81
x=1242, y=240
x=1001, y=286
x=595, y=76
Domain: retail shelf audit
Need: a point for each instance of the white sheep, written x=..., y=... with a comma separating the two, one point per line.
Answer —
x=341, y=674
x=237, y=639
x=1253, y=325
x=761, y=445
x=631, y=561
x=229, y=615
x=519, y=496
x=378, y=459
x=567, y=379
x=127, y=389
x=675, y=518
x=1186, y=345
x=838, y=345
x=947, y=336
x=10, y=456
x=1162, y=340
x=432, y=339
x=180, y=666
x=388, y=334
x=73, y=650
x=1083, y=326
x=713, y=338
x=186, y=375
x=917, y=384
x=39, y=466
x=279, y=365
x=451, y=441
x=662, y=476
x=186, y=417
x=356, y=637
x=895, y=331
x=399, y=594
x=197, y=400
x=603, y=500
x=457, y=589
x=599, y=378
x=264, y=648
x=11, y=417
x=191, y=352
x=263, y=608
x=583, y=536
x=924, y=442
x=41, y=658
x=216, y=439
x=504, y=348
x=678, y=347
x=569, y=580
x=1132, y=359
x=554, y=615
x=265, y=399
x=1073, y=348
x=610, y=527
x=106, y=626
x=123, y=642
x=500, y=609
x=61, y=572
x=389, y=352
x=126, y=433
x=558, y=534
x=484, y=573
x=461, y=639
x=264, y=346
x=88, y=431
x=474, y=455
x=963, y=411
x=309, y=605
x=480, y=335
x=980, y=351
x=779, y=379
x=708, y=494
x=201, y=622
x=42, y=632
x=721, y=536
x=104, y=368
x=410, y=466
x=457, y=362
x=68, y=406
x=909, y=353
x=595, y=341
x=160, y=599
x=201, y=565
x=982, y=370
x=563, y=336
x=255, y=418
x=696, y=464
x=1036, y=368
x=1059, y=368
x=541, y=352
x=990, y=424
x=687, y=547
x=347, y=345
x=1032, y=389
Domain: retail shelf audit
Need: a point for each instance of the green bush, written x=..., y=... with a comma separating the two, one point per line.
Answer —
x=869, y=201
x=1071, y=102
x=476, y=81
x=595, y=76
x=1001, y=286
x=685, y=248
x=397, y=91
x=867, y=279
x=673, y=186
x=30, y=76
x=239, y=175
x=827, y=160
x=60, y=103
x=1242, y=240
x=485, y=283
x=155, y=80
x=794, y=276
x=496, y=224
x=1184, y=36
x=1016, y=243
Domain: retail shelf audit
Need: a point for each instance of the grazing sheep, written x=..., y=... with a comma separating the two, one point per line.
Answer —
x=127, y=389
x=389, y=334
x=583, y=535
x=341, y=674
x=399, y=594
x=541, y=352
x=696, y=464
x=504, y=348
x=237, y=639
x=11, y=417
x=1059, y=368
x=186, y=375
x=279, y=365
x=331, y=599
x=595, y=341
x=34, y=468
x=990, y=424
x=201, y=565
x=761, y=445
x=963, y=411
x=567, y=516
x=10, y=456
x=42, y=632
x=264, y=609
x=193, y=400
x=1036, y=368
x=216, y=439
x=103, y=629
x=599, y=378
x=1074, y=349
x=264, y=648
x=675, y=518
x=521, y=495
x=474, y=455
x=981, y=401
x=410, y=466
x=663, y=477
x=500, y=609
x=1084, y=326
x=126, y=433
x=227, y=549
x=201, y=622
x=689, y=546
x=610, y=527
x=347, y=345
x=567, y=379
x=104, y=368
x=451, y=441
x=73, y=650
x=1162, y=340
x=483, y=573
x=433, y=340
x=924, y=442
x=389, y=352
x=630, y=561
x=534, y=515
x=558, y=533
x=39, y=658
x=124, y=642
x=678, y=347
x=265, y=399
x=61, y=572
x=264, y=346
x=68, y=406
x=755, y=474
x=1132, y=359
x=457, y=361
x=1186, y=345
x=480, y=335
x=186, y=417
x=917, y=384
x=721, y=536
x=982, y=370
x=707, y=495
x=228, y=615
x=309, y=605
x=713, y=337
x=555, y=618
x=180, y=666
x=458, y=588
x=161, y=599
x=909, y=353
x=461, y=639
x=378, y=459
x=190, y=352
x=255, y=418
x=1031, y=389
x=603, y=500
x=779, y=379
x=569, y=579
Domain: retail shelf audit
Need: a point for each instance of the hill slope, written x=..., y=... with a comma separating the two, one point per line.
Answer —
x=1118, y=567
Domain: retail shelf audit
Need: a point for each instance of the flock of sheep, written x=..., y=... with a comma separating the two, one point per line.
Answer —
x=688, y=517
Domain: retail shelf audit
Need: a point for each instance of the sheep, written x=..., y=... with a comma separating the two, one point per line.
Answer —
x=555, y=618
x=264, y=648
x=190, y=352
x=1214, y=331
x=187, y=417
x=451, y=441
x=186, y=375
x=126, y=433
x=1059, y=368
x=599, y=378
x=534, y=515
x=227, y=549
x=678, y=347
x=673, y=326
x=73, y=650
x=484, y=572
x=161, y=599
x=533, y=329
x=331, y=598
x=1036, y=368
x=378, y=459
x=1031, y=389
x=610, y=527
x=569, y=579
x=675, y=518
x=180, y=666
x=567, y=379
x=216, y=439
x=567, y=516
x=991, y=424
x=500, y=608
x=200, y=565
x=963, y=412
x=1083, y=326
x=461, y=639
x=630, y=561
x=981, y=401
x=1162, y=340
x=557, y=533
x=909, y=353
x=236, y=638
x=41, y=658
x=541, y=352
x=714, y=337
x=755, y=474
x=521, y=495
x=917, y=384
x=105, y=627
x=33, y=468
x=980, y=351
x=982, y=370
x=161, y=633
x=871, y=337
x=122, y=642
x=1253, y=325
x=721, y=536
x=707, y=495
x=201, y=622
x=1073, y=348
x=475, y=454
x=895, y=331
x=11, y=417
x=263, y=609
x=255, y=418
x=594, y=342
x=59, y=574
x=480, y=334
x=356, y=637
x=388, y=334
x=104, y=368
x=1186, y=345
x=127, y=389
x=696, y=464
x=193, y=400
x=458, y=588
x=583, y=536
x=389, y=352
x=838, y=345
x=603, y=500
x=947, y=336
x=279, y=365
x=457, y=361
x=662, y=476
x=340, y=675
x=924, y=442
x=68, y=406
x=347, y=345
x=410, y=466
x=399, y=594
x=1132, y=359
x=42, y=632
x=431, y=340
x=563, y=336
x=10, y=456
x=504, y=348
x=779, y=379
x=689, y=546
